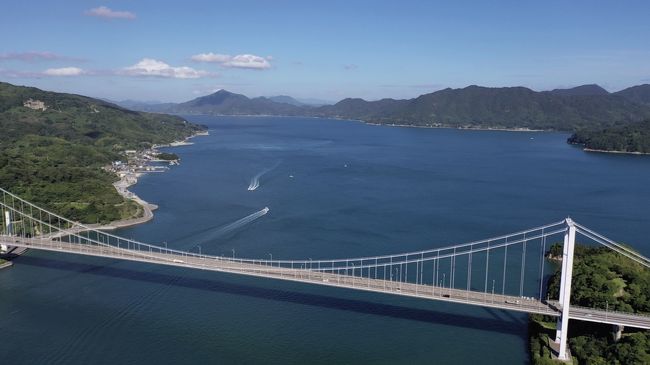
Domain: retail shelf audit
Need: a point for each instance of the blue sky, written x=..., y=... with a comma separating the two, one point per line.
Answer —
x=175, y=51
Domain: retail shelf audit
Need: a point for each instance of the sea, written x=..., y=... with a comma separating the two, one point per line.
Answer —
x=308, y=188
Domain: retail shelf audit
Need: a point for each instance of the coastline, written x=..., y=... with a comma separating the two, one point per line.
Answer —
x=462, y=128
x=121, y=186
x=128, y=180
x=616, y=152
x=457, y=128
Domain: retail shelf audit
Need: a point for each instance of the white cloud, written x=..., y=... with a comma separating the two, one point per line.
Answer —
x=239, y=61
x=64, y=71
x=105, y=12
x=211, y=57
x=151, y=67
x=248, y=61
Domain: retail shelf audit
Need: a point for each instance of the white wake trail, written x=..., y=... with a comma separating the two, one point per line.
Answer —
x=242, y=222
x=255, y=181
x=234, y=225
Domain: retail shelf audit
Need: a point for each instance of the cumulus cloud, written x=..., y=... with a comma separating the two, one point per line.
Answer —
x=151, y=67
x=105, y=12
x=248, y=61
x=211, y=57
x=64, y=71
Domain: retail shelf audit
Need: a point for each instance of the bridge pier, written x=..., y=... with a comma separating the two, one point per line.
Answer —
x=7, y=218
x=618, y=332
x=562, y=331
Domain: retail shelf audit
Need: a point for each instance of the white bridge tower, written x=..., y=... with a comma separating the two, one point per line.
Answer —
x=561, y=333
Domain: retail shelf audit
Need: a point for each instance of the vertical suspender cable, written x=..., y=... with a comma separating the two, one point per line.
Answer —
x=505, y=265
x=523, y=268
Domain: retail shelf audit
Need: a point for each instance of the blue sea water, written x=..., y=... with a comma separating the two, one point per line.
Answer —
x=334, y=189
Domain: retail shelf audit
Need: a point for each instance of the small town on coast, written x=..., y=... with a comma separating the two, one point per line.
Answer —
x=139, y=162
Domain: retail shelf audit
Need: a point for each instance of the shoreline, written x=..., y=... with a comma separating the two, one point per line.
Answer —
x=121, y=186
x=485, y=129
x=128, y=180
x=616, y=152
x=496, y=129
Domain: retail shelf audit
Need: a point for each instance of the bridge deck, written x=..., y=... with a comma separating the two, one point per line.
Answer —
x=322, y=277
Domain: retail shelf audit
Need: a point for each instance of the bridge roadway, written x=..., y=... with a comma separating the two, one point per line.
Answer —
x=323, y=277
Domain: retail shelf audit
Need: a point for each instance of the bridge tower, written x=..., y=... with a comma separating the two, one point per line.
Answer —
x=8, y=231
x=7, y=218
x=562, y=327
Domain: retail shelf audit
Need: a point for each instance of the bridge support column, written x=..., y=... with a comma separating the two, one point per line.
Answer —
x=561, y=333
x=618, y=332
x=7, y=218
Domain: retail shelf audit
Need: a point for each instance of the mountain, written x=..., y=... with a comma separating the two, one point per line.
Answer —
x=53, y=147
x=315, y=102
x=584, y=90
x=483, y=107
x=638, y=94
x=587, y=106
x=355, y=108
x=224, y=102
x=133, y=104
x=286, y=100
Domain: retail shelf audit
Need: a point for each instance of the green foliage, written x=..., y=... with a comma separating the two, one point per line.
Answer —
x=167, y=156
x=539, y=335
x=632, y=349
x=54, y=158
x=624, y=138
x=604, y=279
x=555, y=250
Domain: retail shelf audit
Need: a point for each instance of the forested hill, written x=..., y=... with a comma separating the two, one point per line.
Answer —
x=53, y=145
x=638, y=94
x=587, y=106
x=633, y=138
x=508, y=107
x=82, y=119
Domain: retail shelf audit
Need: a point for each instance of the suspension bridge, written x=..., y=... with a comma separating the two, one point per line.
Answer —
x=506, y=272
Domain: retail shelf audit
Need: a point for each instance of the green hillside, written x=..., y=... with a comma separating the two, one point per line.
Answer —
x=53, y=157
x=634, y=138
x=606, y=280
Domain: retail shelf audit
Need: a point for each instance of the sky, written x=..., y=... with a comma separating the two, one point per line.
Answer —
x=177, y=50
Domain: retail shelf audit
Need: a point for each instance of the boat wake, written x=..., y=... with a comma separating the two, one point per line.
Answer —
x=255, y=181
x=211, y=233
x=242, y=222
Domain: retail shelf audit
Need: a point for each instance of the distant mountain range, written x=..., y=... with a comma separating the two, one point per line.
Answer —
x=587, y=106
